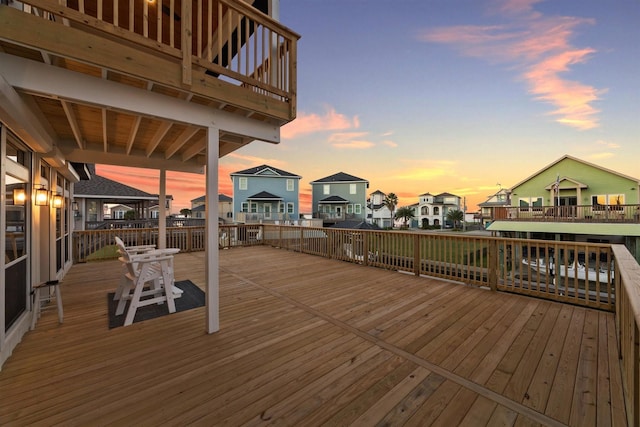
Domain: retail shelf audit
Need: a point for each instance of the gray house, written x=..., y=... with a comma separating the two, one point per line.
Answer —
x=93, y=198
x=339, y=197
x=265, y=194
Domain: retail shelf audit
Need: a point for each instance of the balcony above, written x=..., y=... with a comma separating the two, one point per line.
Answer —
x=582, y=213
x=223, y=56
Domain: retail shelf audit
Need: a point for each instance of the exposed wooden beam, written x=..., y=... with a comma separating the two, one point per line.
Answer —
x=21, y=120
x=133, y=133
x=181, y=141
x=157, y=137
x=94, y=154
x=105, y=141
x=73, y=122
x=194, y=149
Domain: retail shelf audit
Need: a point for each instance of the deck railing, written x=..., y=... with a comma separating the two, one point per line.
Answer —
x=227, y=39
x=599, y=276
x=581, y=213
x=627, y=282
x=571, y=272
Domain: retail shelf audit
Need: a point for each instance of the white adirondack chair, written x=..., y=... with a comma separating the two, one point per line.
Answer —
x=131, y=252
x=154, y=269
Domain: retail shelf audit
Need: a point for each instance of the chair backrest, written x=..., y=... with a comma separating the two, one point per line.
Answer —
x=120, y=244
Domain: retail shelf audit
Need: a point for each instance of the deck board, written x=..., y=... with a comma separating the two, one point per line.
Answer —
x=310, y=341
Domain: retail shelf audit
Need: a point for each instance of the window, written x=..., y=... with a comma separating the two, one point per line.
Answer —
x=254, y=207
x=290, y=185
x=290, y=207
x=245, y=207
x=349, y=209
x=352, y=189
x=614, y=201
x=424, y=210
x=436, y=210
x=530, y=204
x=357, y=209
x=326, y=189
x=281, y=207
x=242, y=183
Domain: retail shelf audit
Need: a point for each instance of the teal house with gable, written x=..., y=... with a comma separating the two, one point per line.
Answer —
x=265, y=194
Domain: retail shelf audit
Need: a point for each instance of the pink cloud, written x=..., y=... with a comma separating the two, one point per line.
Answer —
x=310, y=123
x=541, y=47
x=350, y=140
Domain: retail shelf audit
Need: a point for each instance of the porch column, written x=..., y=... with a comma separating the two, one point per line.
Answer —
x=162, y=214
x=211, y=229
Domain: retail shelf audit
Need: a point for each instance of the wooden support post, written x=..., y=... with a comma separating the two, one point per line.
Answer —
x=211, y=231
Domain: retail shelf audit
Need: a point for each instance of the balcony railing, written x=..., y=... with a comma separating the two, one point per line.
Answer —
x=260, y=217
x=333, y=216
x=226, y=41
x=580, y=213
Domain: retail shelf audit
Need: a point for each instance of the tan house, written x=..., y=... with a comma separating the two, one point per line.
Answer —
x=225, y=208
x=160, y=85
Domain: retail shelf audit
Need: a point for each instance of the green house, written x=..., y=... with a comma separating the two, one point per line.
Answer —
x=574, y=200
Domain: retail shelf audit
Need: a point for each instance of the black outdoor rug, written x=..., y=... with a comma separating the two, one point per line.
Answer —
x=192, y=297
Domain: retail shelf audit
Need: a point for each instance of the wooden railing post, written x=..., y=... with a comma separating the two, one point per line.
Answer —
x=416, y=254
x=493, y=264
x=301, y=240
x=365, y=248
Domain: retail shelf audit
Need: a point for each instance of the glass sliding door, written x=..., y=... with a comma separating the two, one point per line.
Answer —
x=16, y=211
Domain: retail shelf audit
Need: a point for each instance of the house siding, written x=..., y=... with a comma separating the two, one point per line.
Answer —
x=270, y=183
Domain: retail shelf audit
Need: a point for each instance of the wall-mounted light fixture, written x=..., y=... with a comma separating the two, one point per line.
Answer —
x=19, y=196
x=57, y=200
x=42, y=196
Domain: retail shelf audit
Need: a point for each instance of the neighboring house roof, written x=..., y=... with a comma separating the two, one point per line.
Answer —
x=199, y=208
x=378, y=192
x=446, y=195
x=264, y=195
x=121, y=207
x=334, y=199
x=566, y=156
x=356, y=224
x=492, y=200
x=99, y=187
x=259, y=170
x=425, y=194
x=221, y=198
x=376, y=206
x=340, y=177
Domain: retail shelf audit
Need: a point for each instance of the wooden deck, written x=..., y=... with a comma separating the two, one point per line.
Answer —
x=308, y=341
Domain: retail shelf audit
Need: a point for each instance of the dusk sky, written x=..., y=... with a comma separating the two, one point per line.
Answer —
x=453, y=96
